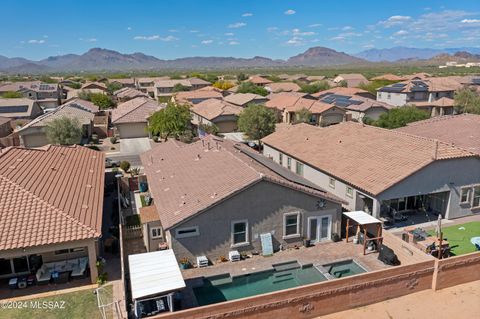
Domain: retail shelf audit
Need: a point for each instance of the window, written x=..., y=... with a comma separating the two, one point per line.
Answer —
x=289, y=162
x=389, y=96
x=61, y=251
x=331, y=182
x=349, y=191
x=5, y=266
x=291, y=225
x=280, y=158
x=476, y=196
x=465, y=195
x=187, y=232
x=299, y=168
x=156, y=232
x=20, y=264
x=76, y=250
x=239, y=232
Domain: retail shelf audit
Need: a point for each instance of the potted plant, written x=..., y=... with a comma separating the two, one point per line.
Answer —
x=184, y=263
x=222, y=259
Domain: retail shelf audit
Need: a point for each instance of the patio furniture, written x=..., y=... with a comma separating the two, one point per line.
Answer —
x=202, y=261
x=30, y=280
x=43, y=275
x=79, y=270
x=62, y=277
x=234, y=255
x=12, y=283
x=22, y=282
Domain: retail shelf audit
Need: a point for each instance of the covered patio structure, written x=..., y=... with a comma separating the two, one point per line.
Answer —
x=154, y=279
x=368, y=228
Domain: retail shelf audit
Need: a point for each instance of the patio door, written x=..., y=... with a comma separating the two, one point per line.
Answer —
x=319, y=228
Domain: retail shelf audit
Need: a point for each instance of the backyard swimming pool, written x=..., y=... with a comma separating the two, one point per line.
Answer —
x=344, y=268
x=283, y=276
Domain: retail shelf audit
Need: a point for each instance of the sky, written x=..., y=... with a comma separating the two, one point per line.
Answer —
x=243, y=28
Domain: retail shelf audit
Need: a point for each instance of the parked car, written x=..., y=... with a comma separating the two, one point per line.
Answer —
x=111, y=163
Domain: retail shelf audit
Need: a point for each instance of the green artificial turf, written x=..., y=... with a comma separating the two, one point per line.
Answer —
x=459, y=238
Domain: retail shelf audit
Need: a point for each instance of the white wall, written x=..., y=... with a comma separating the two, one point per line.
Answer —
x=396, y=99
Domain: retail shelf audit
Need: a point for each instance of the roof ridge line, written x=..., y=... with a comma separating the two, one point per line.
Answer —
x=140, y=97
x=64, y=214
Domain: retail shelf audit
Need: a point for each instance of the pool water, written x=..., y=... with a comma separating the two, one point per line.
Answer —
x=344, y=268
x=222, y=288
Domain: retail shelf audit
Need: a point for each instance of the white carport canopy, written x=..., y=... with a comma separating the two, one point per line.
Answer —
x=154, y=273
x=362, y=218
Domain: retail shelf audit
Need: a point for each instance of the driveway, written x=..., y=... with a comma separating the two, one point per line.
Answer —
x=134, y=146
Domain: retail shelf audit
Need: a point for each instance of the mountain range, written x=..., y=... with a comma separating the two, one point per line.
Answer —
x=98, y=59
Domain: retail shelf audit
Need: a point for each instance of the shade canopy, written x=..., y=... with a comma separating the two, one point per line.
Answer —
x=154, y=273
x=362, y=218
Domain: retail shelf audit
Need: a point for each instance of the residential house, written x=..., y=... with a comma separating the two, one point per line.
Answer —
x=381, y=171
x=418, y=90
x=353, y=79
x=217, y=112
x=282, y=87
x=33, y=134
x=165, y=88
x=461, y=130
x=356, y=107
x=322, y=114
x=128, y=93
x=20, y=108
x=314, y=78
x=147, y=85
x=197, y=96
x=94, y=87
x=131, y=118
x=47, y=95
x=442, y=106
x=389, y=77
x=125, y=83
x=258, y=80
x=197, y=83
x=244, y=99
x=214, y=196
x=153, y=236
x=51, y=208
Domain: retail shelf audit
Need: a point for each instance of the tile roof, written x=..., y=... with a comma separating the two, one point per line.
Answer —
x=4, y=120
x=50, y=195
x=185, y=180
x=128, y=92
x=172, y=83
x=136, y=110
x=353, y=102
x=198, y=94
x=281, y=101
x=259, y=80
x=83, y=104
x=95, y=85
x=243, y=98
x=438, y=84
x=369, y=158
x=212, y=108
x=197, y=81
x=389, y=77
x=18, y=107
x=341, y=91
x=283, y=87
x=123, y=81
x=441, y=102
x=15, y=86
x=462, y=130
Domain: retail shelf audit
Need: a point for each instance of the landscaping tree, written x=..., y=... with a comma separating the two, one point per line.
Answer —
x=242, y=77
x=343, y=84
x=209, y=128
x=179, y=88
x=125, y=166
x=113, y=86
x=315, y=87
x=171, y=121
x=401, y=116
x=374, y=85
x=223, y=85
x=64, y=131
x=257, y=121
x=12, y=95
x=303, y=116
x=249, y=87
x=467, y=101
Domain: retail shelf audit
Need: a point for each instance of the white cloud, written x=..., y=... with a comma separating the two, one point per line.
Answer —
x=368, y=46
x=401, y=32
x=395, y=20
x=290, y=12
x=36, y=41
x=233, y=42
x=155, y=38
x=470, y=21
x=173, y=30
x=237, y=25
x=315, y=25
x=295, y=41
x=193, y=31
x=229, y=34
x=207, y=42
x=347, y=28
x=298, y=32
x=338, y=38
x=247, y=14
x=272, y=29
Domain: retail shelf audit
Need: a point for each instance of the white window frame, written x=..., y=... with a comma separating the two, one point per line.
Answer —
x=469, y=192
x=298, y=233
x=473, y=197
x=158, y=231
x=346, y=191
x=232, y=237
x=289, y=163
x=297, y=166
x=331, y=182
x=280, y=159
x=189, y=234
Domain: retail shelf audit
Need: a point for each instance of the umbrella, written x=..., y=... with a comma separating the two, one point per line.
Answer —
x=438, y=230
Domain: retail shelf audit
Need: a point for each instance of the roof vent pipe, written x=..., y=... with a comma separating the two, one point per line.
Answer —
x=435, y=149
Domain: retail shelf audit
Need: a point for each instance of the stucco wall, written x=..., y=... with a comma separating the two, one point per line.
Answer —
x=263, y=205
x=396, y=99
x=457, y=270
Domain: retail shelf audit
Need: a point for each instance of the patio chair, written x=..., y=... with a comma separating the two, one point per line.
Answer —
x=62, y=277
x=43, y=275
x=234, y=255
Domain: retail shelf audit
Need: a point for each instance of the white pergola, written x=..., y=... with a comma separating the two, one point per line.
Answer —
x=362, y=220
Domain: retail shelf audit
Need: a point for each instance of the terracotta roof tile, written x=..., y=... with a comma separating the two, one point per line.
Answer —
x=149, y=214
x=213, y=108
x=136, y=110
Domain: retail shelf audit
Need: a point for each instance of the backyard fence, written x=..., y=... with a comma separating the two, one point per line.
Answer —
x=132, y=232
x=108, y=307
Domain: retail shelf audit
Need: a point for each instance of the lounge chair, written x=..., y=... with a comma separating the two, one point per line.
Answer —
x=43, y=275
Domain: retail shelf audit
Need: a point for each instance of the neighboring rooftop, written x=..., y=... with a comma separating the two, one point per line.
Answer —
x=18, y=107
x=439, y=84
x=353, y=102
x=200, y=94
x=369, y=158
x=136, y=110
x=212, y=108
x=462, y=130
x=389, y=77
x=244, y=98
x=186, y=179
x=340, y=91
x=259, y=80
x=50, y=195
x=129, y=93
x=283, y=87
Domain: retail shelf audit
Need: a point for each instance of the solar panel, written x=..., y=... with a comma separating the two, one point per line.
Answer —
x=391, y=89
x=399, y=85
x=14, y=109
x=476, y=81
x=356, y=102
x=343, y=103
